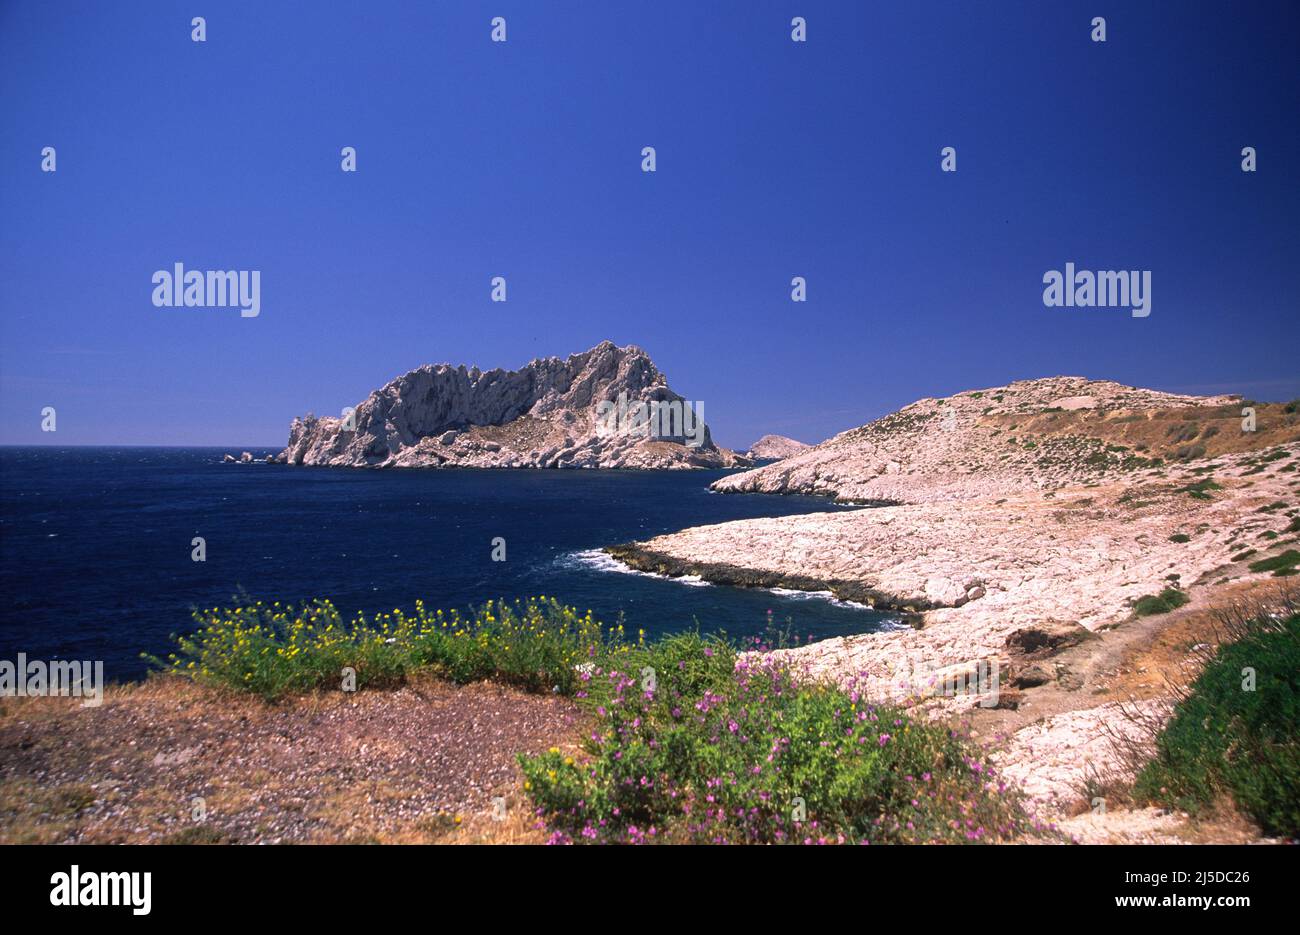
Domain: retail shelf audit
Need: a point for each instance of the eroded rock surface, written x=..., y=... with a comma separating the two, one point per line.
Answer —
x=544, y=415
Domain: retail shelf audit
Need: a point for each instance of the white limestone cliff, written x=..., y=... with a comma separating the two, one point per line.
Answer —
x=543, y=415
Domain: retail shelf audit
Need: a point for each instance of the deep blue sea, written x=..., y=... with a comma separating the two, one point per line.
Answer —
x=95, y=546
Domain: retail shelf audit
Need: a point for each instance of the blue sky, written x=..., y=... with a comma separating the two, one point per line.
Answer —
x=775, y=159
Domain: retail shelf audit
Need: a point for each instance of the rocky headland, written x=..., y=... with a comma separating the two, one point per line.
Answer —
x=1054, y=499
x=1030, y=515
x=547, y=414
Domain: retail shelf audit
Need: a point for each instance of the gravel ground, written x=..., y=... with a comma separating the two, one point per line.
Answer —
x=405, y=765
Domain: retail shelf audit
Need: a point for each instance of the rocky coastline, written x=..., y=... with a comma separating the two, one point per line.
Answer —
x=1060, y=506
x=660, y=563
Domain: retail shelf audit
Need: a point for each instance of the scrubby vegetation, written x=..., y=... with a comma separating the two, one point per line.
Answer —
x=692, y=742
x=1281, y=566
x=1167, y=600
x=1236, y=732
x=274, y=650
x=1201, y=489
x=693, y=745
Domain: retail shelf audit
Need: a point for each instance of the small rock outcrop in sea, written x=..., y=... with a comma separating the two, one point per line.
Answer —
x=551, y=413
x=247, y=458
x=775, y=447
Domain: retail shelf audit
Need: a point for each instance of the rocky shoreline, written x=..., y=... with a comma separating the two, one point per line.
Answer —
x=661, y=563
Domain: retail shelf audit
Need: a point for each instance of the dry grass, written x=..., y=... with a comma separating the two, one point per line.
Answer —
x=1162, y=433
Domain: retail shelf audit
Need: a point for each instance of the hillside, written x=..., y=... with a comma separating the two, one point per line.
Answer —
x=775, y=447
x=1040, y=434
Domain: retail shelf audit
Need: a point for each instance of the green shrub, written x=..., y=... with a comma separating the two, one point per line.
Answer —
x=1281, y=565
x=1200, y=489
x=1167, y=600
x=1180, y=537
x=716, y=749
x=274, y=650
x=1225, y=739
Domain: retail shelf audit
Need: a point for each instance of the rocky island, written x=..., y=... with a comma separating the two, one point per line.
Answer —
x=547, y=414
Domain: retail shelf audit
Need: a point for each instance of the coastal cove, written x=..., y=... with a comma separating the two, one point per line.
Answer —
x=97, y=553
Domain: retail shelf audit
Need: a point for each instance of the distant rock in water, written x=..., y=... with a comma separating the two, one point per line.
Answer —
x=775, y=447
x=551, y=413
x=247, y=458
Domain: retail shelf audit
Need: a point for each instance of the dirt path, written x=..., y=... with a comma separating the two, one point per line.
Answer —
x=168, y=761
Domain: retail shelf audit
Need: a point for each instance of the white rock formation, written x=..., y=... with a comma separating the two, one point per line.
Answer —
x=544, y=415
x=1013, y=511
x=775, y=447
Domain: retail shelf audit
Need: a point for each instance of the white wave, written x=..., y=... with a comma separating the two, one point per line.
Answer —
x=828, y=596
x=603, y=561
x=599, y=560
